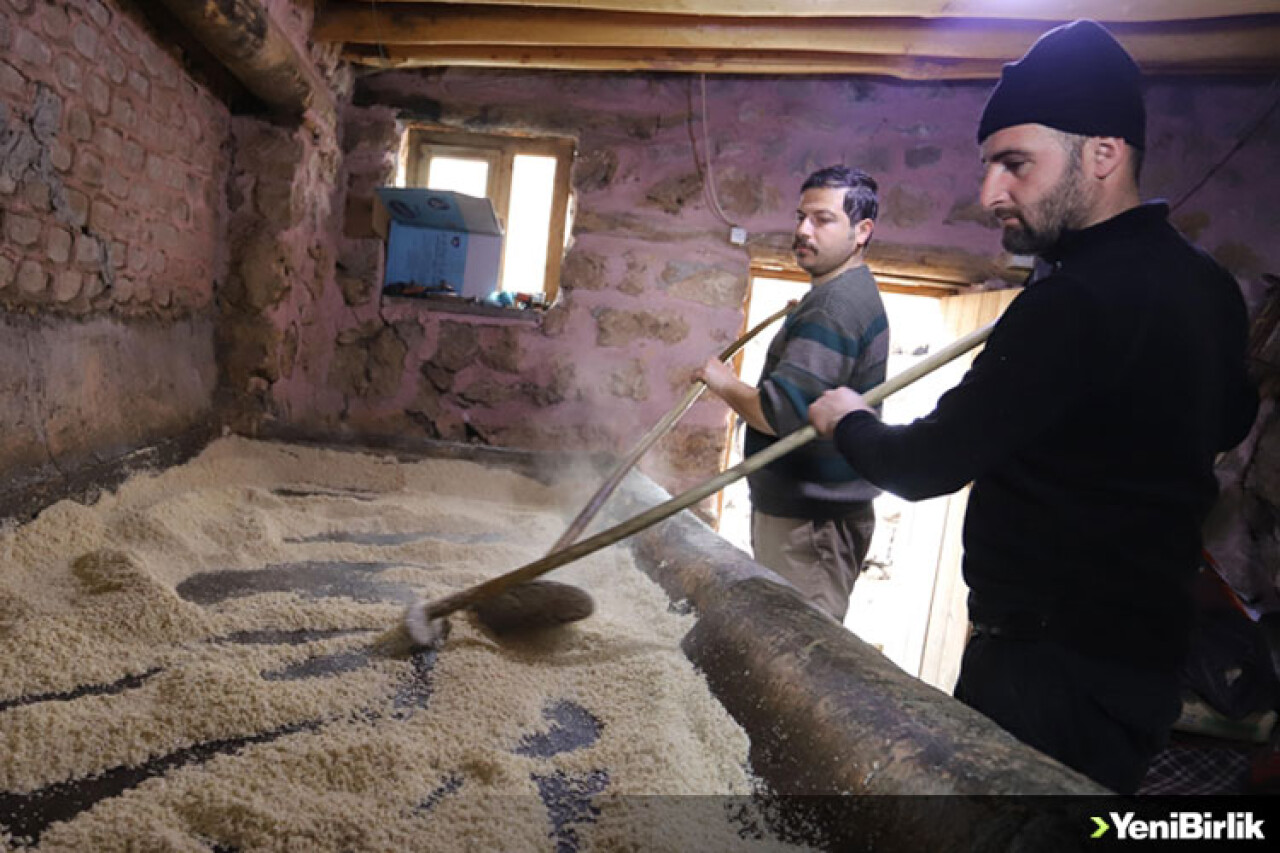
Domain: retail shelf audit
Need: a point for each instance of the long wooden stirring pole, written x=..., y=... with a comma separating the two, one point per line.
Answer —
x=419, y=618
x=659, y=429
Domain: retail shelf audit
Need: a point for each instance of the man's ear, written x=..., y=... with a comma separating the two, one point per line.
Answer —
x=1102, y=155
x=862, y=232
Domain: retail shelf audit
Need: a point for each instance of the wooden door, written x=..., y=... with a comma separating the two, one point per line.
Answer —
x=947, y=624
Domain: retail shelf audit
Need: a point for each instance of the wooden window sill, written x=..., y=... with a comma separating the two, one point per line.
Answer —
x=457, y=305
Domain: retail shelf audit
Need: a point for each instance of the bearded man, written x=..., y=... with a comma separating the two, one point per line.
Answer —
x=1088, y=425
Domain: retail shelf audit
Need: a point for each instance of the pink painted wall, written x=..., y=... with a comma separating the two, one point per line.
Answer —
x=651, y=283
x=155, y=249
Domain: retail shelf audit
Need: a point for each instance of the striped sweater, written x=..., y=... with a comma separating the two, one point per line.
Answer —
x=837, y=335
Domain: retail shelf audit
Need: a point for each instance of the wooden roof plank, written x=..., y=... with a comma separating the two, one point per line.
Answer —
x=709, y=62
x=1251, y=41
x=1062, y=10
x=728, y=62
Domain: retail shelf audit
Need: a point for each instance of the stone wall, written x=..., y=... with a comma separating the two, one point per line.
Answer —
x=112, y=166
x=652, y=285
x=156, y=248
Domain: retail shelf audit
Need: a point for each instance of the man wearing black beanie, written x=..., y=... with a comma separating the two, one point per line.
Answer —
x=1088, y=426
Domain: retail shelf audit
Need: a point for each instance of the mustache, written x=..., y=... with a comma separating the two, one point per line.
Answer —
x=1005, y=213
x=800, y=243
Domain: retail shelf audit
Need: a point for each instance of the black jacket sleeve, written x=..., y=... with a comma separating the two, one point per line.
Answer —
x=1036, y=365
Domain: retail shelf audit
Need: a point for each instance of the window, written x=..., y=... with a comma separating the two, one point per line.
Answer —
x=526, y=178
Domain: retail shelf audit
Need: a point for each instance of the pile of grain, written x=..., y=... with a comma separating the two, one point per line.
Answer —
x=367, y=754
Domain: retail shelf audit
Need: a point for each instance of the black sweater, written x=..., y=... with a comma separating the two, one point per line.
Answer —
x=1088, y=427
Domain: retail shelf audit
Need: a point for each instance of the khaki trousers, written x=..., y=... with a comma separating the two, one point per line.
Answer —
x=821, y=559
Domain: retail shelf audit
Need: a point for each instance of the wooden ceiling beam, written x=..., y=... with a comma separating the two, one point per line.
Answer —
x=254, y=47
x=1247, y=42
x=688, y=62
x=728, y=62
x=1062, y=10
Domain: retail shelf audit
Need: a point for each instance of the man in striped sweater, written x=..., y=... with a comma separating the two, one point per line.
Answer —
x=811, y=519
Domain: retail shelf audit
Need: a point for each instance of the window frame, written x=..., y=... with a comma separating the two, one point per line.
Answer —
x=500, y=150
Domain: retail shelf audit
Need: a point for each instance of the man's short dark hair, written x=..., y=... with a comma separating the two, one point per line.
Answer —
x=860, y=199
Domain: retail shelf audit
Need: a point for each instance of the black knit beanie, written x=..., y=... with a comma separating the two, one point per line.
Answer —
x=1075, y=78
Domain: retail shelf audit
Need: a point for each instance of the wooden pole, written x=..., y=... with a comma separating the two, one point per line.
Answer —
x=246, y=39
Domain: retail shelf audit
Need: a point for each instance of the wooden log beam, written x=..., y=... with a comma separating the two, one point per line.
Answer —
x=781, y=667
x=246, y=39
x=1217, y=43
x=1064, y=10
x=613, y=59
x=696, y=61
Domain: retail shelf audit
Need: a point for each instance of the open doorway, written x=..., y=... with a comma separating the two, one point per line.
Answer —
x=910, y=600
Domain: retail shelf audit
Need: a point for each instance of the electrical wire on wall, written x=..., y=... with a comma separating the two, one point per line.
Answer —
x=737, y=235
x=1240, y=143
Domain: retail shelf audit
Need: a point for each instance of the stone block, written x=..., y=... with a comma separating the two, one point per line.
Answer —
x=118, y=184
x=60, y=156
x=55, y=22
x=31, y=49
x=69, y=72
x=583, y=270
x=35, y=190
x=487, y=392
x=558, y=389
x=58, y=245
x=907, y=207
x=12, y=81
x=616, y=328
x=21, y=230
x=89, y=167
x=125, y=114
x=744, y=194
x=139, y=83
x=98, y=91
x=88, y=252
x=595, y=170
x=633, y=281
x=66, y=285
x=79, y=123
x=706, y=285
x=368, y=361
x=32, y=278
x=439, y=378
x=102, y=217
x=7, y=271
x=78, y=207
x=277, y=202
x=630, y=381
x=85, y=40
x=500, y=348
x=262, y=271
x=111, y=62
x=673, y=194
x=457, y=346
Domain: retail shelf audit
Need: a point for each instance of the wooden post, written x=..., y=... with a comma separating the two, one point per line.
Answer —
x=253, y=47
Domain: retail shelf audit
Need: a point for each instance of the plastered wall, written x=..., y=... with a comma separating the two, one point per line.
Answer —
x=651, y=284
x=166, y=265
